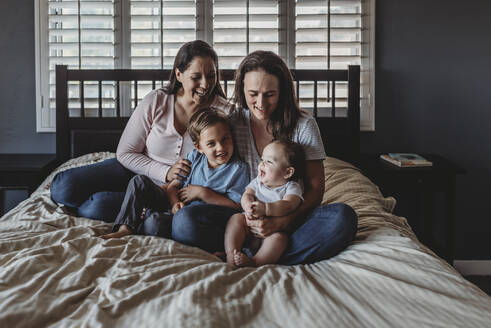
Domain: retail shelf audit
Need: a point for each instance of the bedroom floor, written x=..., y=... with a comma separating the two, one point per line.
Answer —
x=483, y=282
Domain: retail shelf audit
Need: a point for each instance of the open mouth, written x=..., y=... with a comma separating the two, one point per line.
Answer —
x=261, y=109
x=222, y=155
x=200, y=93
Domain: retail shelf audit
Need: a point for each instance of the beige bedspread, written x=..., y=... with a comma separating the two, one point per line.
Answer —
x=55, y=271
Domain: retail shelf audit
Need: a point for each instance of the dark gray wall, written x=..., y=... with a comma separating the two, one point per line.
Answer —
x=432, y=95
x=17, y=81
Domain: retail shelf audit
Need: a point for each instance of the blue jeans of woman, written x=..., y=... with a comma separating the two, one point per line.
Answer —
x=325, y=233
x=94, y=191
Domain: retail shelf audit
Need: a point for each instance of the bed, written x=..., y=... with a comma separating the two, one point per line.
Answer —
x=55, y=271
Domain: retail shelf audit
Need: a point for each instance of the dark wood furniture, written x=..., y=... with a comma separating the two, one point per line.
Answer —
x=23, y=172
x=416, y=190
x=76, y=136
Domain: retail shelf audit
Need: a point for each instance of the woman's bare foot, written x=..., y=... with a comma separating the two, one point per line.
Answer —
x=124, y=230
x=242, y=260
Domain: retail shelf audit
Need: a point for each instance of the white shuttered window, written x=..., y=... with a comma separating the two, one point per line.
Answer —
x=146, y=34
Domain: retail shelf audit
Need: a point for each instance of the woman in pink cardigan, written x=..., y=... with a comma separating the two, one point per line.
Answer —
x=154, y=140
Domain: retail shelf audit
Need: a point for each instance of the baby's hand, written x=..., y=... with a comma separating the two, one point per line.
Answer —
x=177, y=206
x=258, y=209
x=249, y=216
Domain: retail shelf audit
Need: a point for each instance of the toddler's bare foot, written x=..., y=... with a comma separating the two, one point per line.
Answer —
x=229, y=258
x=242, y=260
x=123, y=231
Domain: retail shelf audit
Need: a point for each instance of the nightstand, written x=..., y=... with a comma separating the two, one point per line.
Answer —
x=425, y=196
x=23, y=172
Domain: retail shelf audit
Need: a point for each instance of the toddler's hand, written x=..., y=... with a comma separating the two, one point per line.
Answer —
x=177, y=206
x=190, y=193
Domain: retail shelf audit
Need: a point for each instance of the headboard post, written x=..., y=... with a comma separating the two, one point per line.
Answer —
x=62, y=128
x=354, y=105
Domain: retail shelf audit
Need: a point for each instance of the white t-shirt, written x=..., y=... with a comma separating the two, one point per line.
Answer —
x=267, y=195
x=306, y=134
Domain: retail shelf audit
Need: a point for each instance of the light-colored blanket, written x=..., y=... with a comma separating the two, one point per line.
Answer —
x=55, y=271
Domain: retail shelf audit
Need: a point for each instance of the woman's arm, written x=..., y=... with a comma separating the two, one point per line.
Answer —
x=281, y=207
x=133, y=140
x=314, y=190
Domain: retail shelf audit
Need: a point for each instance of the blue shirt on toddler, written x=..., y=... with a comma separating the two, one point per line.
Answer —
x=229, y=179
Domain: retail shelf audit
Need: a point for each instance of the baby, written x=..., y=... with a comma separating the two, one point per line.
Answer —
x=216, y=177
x=274, y=192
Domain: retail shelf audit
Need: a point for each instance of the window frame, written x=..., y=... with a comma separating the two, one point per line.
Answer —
x=204, y=31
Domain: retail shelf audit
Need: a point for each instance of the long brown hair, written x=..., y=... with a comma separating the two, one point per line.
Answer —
x=284, y=118
x=184, y=57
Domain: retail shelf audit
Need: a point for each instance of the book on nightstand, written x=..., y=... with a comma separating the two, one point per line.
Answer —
x=406, y=159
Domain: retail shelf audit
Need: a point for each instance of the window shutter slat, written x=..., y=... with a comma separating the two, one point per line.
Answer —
x=158, y=29
x=240, y=27
x=328, y=36
x=146, y=34
x=80, y=35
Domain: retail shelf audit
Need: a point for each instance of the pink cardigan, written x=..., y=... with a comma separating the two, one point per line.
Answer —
x=150, y=144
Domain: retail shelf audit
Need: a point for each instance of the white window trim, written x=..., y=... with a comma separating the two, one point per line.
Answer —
x=41, y=50
x=368, y=61
x=204, y=25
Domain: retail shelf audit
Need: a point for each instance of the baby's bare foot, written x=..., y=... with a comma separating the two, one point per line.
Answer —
x=123, y=231
x=242, y=260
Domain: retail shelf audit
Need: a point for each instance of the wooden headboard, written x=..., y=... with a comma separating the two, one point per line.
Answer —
x=79, y=135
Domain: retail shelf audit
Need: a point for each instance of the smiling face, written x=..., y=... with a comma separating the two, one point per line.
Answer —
x=198, y=80
x=216, y=143
x=274, y=171
x=262, y=92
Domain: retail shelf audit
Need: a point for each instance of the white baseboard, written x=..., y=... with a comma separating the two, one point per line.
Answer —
x=473, y=268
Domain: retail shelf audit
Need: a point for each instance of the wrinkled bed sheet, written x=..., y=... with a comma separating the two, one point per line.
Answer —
x=55, y=271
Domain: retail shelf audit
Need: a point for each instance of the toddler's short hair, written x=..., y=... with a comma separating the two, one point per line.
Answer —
x=203, y=119
x=295, y=156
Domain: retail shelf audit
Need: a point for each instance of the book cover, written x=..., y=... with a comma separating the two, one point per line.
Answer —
x=406, y=159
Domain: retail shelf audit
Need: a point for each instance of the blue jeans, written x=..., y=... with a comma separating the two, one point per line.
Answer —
x=325, y=233
x=202, y=225
x=93, y=191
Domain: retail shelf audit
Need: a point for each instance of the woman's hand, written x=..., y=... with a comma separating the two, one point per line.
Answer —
x=258, y=209
x=190, y=193
x=182, y=168
x=265, y=226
